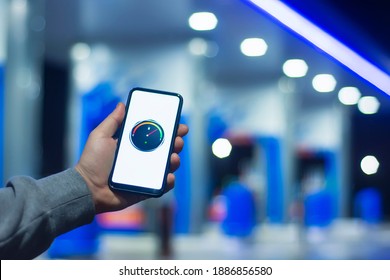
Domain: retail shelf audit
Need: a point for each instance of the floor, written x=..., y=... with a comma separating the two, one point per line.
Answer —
x=345, y=239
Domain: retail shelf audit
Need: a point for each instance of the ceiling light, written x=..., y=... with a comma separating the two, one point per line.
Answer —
x=203, y=21
x=254, y=47
x=324, y=41
x=197, y=46
x=80, y=51
x=221, y=148
x=369, y=165
x=295, y=68
x=349, y=95
x=368, y=105
x=201, y=47
x=324, y=83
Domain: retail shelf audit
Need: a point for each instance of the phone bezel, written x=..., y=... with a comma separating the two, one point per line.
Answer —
x=140, y=189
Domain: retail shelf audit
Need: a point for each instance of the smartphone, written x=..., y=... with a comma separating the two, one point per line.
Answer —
x=146, y=141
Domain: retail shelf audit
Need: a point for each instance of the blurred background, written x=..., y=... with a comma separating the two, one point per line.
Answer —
x=287, y=153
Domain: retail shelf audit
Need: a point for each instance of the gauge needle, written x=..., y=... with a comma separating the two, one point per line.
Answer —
x=150, y=133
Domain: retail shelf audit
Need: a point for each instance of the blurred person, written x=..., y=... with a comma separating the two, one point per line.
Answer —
x=34, y=212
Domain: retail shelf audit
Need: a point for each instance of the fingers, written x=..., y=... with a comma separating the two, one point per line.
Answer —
x=109, y=126
x=175, y=162
x=179, y=144
x=170, y=182
x=182, y=130
x=178, y=147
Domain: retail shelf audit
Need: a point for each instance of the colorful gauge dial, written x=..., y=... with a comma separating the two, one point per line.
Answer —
x=147, y=135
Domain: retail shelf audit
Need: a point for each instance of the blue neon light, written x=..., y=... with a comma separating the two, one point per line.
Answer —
x=318, y=37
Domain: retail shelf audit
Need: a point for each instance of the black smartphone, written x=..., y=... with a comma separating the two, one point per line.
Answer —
x=146, y=141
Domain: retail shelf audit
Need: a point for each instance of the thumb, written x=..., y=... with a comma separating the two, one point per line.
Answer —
x=109, y=126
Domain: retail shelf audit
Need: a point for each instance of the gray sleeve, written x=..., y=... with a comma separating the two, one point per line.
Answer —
x=34, y=212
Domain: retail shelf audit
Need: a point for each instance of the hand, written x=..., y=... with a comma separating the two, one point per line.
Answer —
x=97, y=158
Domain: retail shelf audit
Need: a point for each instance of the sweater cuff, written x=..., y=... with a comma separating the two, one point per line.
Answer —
x=70, y=202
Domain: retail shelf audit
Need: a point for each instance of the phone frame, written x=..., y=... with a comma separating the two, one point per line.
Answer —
x=140, y=189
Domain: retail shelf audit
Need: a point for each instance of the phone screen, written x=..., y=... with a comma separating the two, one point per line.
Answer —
x=146, y=141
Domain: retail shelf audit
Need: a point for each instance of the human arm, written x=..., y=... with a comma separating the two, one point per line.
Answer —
x=34, y=212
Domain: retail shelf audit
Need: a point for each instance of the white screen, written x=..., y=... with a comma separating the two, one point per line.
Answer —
x=146, y=168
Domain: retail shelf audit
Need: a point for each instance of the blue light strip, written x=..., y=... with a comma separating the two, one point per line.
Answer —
x=318, y=37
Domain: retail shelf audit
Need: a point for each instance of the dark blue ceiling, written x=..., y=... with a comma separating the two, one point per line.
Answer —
x=362, y=25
